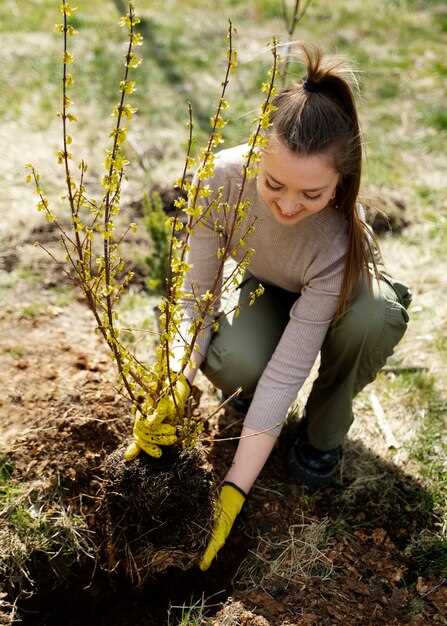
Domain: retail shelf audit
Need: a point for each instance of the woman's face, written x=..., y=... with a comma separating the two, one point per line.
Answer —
x=294, y=186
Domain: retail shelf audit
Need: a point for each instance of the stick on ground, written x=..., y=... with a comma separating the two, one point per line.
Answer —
x=381, y=420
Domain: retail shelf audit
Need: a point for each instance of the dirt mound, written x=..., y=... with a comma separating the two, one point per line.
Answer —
x=234, y=614
x=386, y=212
x=168, y=195
x=69, y=446
x=157, y=511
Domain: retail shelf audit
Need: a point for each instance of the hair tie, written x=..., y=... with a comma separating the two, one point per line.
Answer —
x=310, y=85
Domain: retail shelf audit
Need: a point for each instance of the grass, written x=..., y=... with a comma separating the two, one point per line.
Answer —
x=31, y=522
x=61, y=295
x=423, y=404
x=33, y=311
x=17, y=352
x=192, y=615
x=429, y=554
x=177, y=67
x=288, y=558
x=430, y=446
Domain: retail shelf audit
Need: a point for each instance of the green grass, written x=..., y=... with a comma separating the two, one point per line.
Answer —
x=38, y=16
x=32, y=311
x=394, y=46
x=436, y=117
x=32, y=522
x=17, y=352
x=423, y=400
x=429, y=554
x=191, y=615
x=61, y=295
x=430, y=446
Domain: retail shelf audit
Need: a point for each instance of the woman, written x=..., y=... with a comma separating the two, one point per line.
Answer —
x=322, y=289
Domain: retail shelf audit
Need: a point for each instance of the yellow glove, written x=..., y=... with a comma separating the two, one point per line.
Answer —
x=229, y=504
x=150, y=433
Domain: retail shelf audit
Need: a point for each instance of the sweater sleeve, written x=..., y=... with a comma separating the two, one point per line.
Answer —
x=202, y=256
x=298, y=347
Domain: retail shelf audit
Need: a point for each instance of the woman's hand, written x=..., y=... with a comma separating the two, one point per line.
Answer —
x=229, y=504
x=253, y=450
x=159, y=428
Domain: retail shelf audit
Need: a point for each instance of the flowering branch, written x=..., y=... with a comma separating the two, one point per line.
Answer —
x=100, y=274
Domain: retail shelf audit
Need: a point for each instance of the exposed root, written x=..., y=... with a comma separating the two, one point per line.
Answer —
x=157, y=512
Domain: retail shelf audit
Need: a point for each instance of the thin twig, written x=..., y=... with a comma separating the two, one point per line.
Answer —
x=403, y=369
x=390, y=439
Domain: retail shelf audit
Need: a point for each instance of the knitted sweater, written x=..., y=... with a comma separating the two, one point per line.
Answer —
x=306, y=258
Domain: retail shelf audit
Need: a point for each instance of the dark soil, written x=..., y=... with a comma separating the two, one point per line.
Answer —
x=157, y=511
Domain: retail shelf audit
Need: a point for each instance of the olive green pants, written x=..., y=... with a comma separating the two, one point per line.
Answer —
x=354, y=350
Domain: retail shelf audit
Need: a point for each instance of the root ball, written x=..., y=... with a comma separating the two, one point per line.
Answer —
x=158, y=512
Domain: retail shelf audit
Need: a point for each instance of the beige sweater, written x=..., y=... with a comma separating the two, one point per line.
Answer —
x=306, y=258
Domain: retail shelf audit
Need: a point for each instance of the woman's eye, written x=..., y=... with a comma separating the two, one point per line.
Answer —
x=273, y=188
x=270, y=186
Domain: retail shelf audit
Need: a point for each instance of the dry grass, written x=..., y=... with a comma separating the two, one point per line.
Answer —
x=233, y=613
x=288, y=559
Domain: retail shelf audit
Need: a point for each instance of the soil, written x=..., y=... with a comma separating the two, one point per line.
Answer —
x=157, y=511
x=386, y=212
x=294, y=557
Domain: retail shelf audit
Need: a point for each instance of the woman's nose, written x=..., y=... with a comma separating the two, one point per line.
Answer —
x=289, y=206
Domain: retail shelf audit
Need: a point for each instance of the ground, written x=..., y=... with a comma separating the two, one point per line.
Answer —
x=372, y=549
x=347, y=550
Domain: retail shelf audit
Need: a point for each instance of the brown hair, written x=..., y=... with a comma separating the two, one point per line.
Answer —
x=319, y=115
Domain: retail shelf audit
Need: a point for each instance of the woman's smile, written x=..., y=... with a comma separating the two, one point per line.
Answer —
x=288, y=216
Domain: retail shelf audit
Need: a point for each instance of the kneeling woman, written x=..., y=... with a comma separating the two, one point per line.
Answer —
x=314, y=257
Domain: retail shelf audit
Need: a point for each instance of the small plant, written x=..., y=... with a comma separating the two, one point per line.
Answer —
x=155, y=223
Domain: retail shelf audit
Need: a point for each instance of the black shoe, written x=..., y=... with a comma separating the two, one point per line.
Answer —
x=315, y=468
x=241, y=405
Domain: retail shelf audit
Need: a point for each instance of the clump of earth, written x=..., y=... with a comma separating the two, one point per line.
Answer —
x=157, y=511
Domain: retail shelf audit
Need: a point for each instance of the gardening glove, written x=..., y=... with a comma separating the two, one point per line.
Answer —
x=150, y=432
x=229, y=504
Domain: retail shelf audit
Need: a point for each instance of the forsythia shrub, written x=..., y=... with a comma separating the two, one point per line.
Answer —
x=100, y=274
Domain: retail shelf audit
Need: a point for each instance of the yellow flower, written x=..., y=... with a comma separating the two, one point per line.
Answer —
x=67, y=9
x=134, y=60
x=137, y=39
x=128, y=86
x=217, y=121
x=180, y=203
